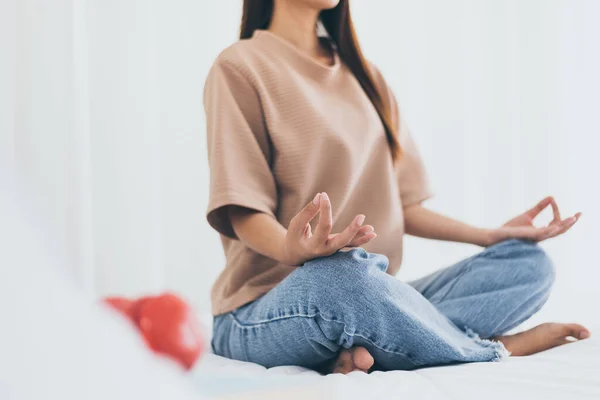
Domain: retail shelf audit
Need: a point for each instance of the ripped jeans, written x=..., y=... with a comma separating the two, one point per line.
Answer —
x=347, y=300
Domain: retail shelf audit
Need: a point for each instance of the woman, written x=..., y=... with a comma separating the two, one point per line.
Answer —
x=299, y=126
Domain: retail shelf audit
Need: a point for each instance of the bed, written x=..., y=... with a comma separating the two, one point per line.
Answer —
x=56, y=345
x=58, y=342
x=568, y=372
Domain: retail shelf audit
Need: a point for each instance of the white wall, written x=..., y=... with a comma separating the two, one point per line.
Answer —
x=102, y=112
x=502, y=97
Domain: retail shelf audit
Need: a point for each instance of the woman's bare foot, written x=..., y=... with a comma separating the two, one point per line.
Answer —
x=542, y=337
x=354, y=359
x=535, y=340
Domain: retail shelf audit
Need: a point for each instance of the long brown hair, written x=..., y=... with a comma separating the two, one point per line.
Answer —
x=257, y=14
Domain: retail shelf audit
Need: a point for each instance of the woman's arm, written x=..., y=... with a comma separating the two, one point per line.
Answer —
x=259, y=231
x=421, y=222
x=425, y=223
x=297, y=244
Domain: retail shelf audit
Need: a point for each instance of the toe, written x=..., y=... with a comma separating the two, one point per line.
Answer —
x=584, y=334
x=363, y=360
x=344, y=364
x=575, y=330
x=579, y=331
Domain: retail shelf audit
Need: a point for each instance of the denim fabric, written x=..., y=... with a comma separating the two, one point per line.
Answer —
x=347, y=299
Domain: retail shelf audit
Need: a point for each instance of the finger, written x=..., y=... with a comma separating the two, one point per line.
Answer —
x=363, y=229
x=343, y=238
x=359, y=240
x=532, y=233
x=548, y=232
x=359, y=237
x=566, y=224
x=539, y=207
x=299, y=222
x=323, y=228
x=555, y=210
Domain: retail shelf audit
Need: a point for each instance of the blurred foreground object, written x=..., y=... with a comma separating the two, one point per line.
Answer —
x=56, y=342
x=167, y=324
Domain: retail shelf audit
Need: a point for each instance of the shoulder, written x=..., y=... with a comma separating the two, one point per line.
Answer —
x=234, y=79
x=232, y=71
x=241, y=58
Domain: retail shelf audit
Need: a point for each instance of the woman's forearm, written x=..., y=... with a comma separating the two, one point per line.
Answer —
x=298, y=244
x=259, y=231
x=425, y=223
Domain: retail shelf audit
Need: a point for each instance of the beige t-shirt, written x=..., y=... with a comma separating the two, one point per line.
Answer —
x=282, y=127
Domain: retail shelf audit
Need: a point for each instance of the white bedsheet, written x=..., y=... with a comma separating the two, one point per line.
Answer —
x=569, y=372
x=54, y=345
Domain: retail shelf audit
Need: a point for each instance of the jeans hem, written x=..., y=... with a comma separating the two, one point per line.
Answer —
x=499, y=350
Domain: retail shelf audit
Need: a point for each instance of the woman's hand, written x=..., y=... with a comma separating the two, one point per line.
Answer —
x=302, y=245
x=521, y=227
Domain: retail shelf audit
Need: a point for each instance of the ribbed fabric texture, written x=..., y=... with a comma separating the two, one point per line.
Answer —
x=282, y=127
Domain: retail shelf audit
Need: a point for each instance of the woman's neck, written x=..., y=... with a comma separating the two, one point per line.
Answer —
x=297, y=24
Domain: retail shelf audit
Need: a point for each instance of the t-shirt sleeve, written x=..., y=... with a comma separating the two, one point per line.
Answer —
x=411, y=175
x=410, y=170
x=238, y=148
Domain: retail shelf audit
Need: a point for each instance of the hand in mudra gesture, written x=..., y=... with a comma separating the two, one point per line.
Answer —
x=301, y=244
x=521, y=227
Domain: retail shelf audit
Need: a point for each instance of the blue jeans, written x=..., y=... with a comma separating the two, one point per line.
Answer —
x=347, y=300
